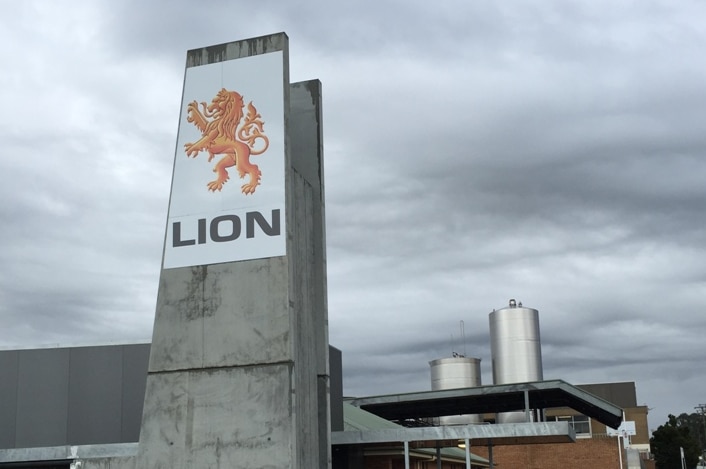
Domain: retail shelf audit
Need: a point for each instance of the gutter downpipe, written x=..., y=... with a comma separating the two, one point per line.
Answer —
x=490, y=454
x=620, y=453
x=468, y=453
x=406, y=455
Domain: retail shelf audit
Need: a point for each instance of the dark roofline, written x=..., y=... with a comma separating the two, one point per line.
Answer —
x=491, y=399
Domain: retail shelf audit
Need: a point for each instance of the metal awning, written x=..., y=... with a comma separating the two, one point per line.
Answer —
x=491, y=399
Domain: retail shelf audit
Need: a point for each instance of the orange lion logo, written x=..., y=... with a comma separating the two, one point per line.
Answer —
x=221, y=136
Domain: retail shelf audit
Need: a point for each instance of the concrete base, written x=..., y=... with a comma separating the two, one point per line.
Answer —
x=232, y=417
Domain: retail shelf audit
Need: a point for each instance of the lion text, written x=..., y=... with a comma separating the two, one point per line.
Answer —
x=225, y=228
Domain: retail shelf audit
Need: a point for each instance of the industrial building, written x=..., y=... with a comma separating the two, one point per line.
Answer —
x=63, y=406
x=519, y=396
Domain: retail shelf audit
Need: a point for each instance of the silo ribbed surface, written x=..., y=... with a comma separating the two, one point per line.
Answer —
x=515, y=345
x=454, y=373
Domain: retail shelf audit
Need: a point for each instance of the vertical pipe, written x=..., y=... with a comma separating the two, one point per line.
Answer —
x=490, y=454
x=527, y=407
x=406, y=455
x=468, y=453
x=620, y=453
x=438, y=455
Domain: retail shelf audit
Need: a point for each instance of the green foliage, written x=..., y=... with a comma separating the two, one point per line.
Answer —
x=668, y=438
x=696, y=424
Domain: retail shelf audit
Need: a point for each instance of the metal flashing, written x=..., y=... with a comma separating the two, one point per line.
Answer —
x=68, y=453
x=500, y=434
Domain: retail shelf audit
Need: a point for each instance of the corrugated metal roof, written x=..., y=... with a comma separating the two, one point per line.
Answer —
x=357, y=419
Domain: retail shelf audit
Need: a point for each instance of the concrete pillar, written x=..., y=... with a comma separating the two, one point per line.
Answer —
x=238, y=374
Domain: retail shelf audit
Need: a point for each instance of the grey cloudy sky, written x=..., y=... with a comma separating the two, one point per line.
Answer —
x=547, y=151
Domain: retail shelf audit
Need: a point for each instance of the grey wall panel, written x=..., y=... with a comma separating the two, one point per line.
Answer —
x=336, y=400
x=9, y=363
x=621, y=394
x=72, y=396
x=42, y=397
x=135, y=361
x=64, y=388
x=95, y=394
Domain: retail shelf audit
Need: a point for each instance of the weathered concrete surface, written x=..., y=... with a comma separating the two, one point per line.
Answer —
x=238, y=49
x=106, y=463
x=222, y=315
x=307, y=270
x=238, y=374
x=230, y=417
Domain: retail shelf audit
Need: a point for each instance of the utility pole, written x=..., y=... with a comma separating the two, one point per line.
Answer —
x=702, y=410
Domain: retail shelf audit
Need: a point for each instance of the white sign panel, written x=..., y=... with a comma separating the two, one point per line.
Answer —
x=626, y=428
x=227, y=200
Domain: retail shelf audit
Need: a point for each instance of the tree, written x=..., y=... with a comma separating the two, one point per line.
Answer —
x=667, y=440
x=696, y=424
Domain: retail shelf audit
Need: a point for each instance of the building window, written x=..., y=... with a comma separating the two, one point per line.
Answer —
x=580, y=423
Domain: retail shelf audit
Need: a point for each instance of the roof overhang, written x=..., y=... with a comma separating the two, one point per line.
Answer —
x=491, y=399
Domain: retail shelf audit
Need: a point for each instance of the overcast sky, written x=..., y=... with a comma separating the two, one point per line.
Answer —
x=548, y=151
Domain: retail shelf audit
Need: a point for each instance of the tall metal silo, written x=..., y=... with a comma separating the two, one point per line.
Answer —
x=454, y=373
x=516, y=349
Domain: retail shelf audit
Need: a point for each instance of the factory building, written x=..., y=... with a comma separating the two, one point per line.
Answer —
x=60, y=407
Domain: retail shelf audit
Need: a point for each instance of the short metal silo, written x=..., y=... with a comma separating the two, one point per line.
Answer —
x=516, y=349
x=454, y=373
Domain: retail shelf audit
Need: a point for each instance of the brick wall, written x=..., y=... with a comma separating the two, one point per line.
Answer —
x=584, y=454
x=590, y=453
x=379, y=462
x=397, y=462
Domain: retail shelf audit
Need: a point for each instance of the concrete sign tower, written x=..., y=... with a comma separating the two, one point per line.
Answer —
x=238, y=373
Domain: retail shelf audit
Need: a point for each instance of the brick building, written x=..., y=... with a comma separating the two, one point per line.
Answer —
x=595, y=444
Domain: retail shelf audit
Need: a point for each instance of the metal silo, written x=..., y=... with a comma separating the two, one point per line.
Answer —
x=515, y=349
x=454, y=373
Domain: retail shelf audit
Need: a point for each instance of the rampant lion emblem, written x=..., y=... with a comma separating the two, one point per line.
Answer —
x=223, y=135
